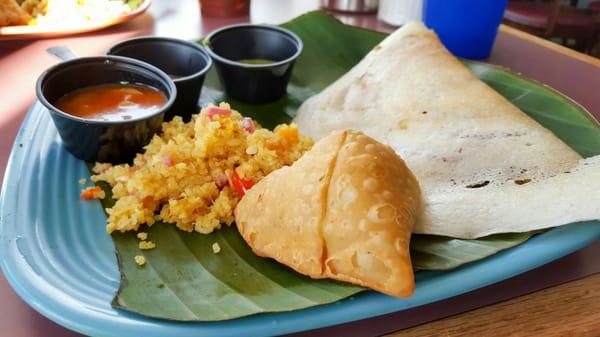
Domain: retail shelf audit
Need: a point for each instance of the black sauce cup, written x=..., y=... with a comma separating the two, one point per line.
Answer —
x=254, y=83
x=98, y=140
x=186, y=63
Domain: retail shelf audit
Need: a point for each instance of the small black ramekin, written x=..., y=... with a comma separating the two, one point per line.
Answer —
x=186, y=62
x=95, y=140
x=254, y=83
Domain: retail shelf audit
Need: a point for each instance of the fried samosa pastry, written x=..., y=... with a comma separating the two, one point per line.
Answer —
x=345, y=210
x=484, y=166
x=11, y=14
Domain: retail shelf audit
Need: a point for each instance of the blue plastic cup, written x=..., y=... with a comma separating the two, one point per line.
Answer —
x=466, y=27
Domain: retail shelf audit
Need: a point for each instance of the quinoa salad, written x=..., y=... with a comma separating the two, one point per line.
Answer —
x=193, y=174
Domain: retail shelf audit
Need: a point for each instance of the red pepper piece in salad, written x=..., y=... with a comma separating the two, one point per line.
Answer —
x=240, y=185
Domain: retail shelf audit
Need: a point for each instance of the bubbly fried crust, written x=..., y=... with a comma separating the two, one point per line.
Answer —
x=345, y=211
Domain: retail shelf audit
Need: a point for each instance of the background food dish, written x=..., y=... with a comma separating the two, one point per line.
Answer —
x=35, y=32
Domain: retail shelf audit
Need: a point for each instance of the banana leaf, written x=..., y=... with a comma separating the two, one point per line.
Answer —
x=184, y=280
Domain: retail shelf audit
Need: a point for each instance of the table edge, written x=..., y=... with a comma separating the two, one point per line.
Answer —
x=550, y=45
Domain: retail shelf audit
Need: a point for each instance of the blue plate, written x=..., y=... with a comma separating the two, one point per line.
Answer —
x=57, y=256
x=62, y=263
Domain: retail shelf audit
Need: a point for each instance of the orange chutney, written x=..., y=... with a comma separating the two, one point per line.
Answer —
x=112, y=102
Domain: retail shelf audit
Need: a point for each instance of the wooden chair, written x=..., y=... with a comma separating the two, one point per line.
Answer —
x=595, y=7
x=553, y=19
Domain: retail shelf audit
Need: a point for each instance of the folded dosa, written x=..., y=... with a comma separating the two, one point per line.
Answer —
x=484, y=166
x=345, y=210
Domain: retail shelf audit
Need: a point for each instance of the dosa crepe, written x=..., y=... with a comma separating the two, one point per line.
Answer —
x=484, y=166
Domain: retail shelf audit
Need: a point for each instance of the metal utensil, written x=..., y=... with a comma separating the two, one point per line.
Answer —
x=356, y=6
x=61, y=52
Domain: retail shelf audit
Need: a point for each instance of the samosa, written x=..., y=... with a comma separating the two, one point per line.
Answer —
x=345, y=210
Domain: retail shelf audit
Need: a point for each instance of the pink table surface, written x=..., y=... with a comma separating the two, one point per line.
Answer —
x=21, y=62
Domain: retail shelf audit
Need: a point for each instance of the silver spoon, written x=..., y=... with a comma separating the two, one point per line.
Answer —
x=61, y=52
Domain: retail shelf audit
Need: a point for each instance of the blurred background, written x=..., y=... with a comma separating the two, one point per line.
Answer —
x=571, y=23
